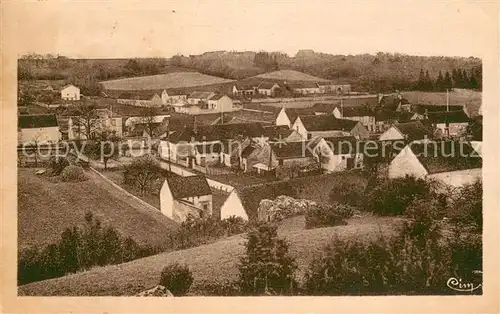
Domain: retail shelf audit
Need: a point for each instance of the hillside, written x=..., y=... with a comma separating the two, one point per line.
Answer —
x=163, y=81
x=471, y=99
x=209, y=263
x=45, y=209
x=289, y=75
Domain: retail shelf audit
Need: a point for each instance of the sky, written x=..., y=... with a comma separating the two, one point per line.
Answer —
x=115, y=29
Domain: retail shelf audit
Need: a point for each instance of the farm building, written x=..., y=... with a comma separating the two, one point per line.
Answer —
x=330, y=87
x=70, y=92
x=170, y=98
x=451, y=163
x=196, y=97
x=38, y=129
x=104, y=121
x=184, y=196
x=220, y=103
x=328, y=126
x=361, y=114
x=287, y=116
x=240, y=90
x=304, y=88
x=267, y=89
x=410, y=131
x=384, y=118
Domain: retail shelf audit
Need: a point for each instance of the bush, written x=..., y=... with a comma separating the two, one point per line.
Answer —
x=176, y=278
x=467, y=207
x=57, y=164
x=73, y=174
x=325, y=216
x=267, y=267
x=391, y=197
x=79, y=249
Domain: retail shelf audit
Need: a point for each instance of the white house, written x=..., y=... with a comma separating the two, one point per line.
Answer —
x=267, y=88
x=196, y=97
x=287, y=116
x=304, y=88
x=184, y=196
x=338, y=153
x=328, y=126
x=220, y=103
x=449, y=162
x=42, y=128
x=244, y=90
x=358, y=113
x=172, y=98
x=244, y=201
x=411, y=131
x=70, y=92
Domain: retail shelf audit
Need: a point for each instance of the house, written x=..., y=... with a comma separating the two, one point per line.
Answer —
x=70, y=92
x=451, y=163
x=407, y=131
x=422, y=110
x=267, y=89
x=327, y=87
x=241, y=90
x=231, y=152
x=244, y=201
x=220, y=103
x=42, y=128
x=184, y=196
x=132, y=122
x=358, y=113
x=385, y=118
x=172, y=98
x=338, y=153
x=291, y=159
x=207, y=154
x=281, y=133
x=196, y=97
x=287, y=116
x=141, y=100
x=393, y=102
x=449, y=123
x=103, y=121
x=304, y=88
x=328, y=126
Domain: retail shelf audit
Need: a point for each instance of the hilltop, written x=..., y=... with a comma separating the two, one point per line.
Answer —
x=46, y=208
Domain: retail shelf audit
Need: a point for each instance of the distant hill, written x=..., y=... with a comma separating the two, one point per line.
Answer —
x=164, y=81
x=289, y=75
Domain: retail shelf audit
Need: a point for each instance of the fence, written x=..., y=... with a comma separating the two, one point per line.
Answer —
x=220, y=186
x=211, y=170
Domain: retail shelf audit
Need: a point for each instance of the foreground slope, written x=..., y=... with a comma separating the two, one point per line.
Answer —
x=45, y=209
x=212, y=263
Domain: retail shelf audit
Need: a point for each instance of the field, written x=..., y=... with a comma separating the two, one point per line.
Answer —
x=45, y=209
x=216, y=262
x=471, y=99
x=289, y=75
x=163, y=81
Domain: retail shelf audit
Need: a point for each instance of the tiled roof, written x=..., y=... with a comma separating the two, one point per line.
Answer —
x=448, y=117
x=300, y=85
x=446, y=156
x=277, y=131
x=182, y=187
x=414, y=130
x=218, y=132
x=200, y=95
x=266, y=85
x=37, y=121
x=355, y=111
x=247, y=151
x=293, y=113
x=422, y=108
x=290, y=150
x=216, y=97
x=327, y=123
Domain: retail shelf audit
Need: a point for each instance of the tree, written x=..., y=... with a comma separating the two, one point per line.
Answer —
x=429, y=85
x=176, y=278
x=440, y=82
x=86, y=120
x=267, y=267
x=448, y=84
x=142, y=172
x=421, y=80
x=104, y=147
x=148, y=119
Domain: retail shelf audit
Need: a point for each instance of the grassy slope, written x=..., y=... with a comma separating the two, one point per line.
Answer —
x=170, y=80
x=209, y=263
x=289, y=75
x=469, y=98
x=45, y=209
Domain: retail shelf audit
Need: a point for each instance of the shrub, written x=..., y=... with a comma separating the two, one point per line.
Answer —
x=176, y=278
x=467, y=207
x=324, y=215
x=391, y=197
x=267, y=267
x=225, y=288
x=73, y=174
x=57, y=164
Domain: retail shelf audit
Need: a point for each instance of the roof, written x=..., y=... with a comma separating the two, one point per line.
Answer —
x=355, y=111
x=422, y=108
x=208, y=148
x=277, y=131
x=217, y=97
x=37, y=121
x=299, y=85
x=266, y=85
x=182, y=187
x=293, y=113
x=247, y=151
x=414, y=130
x=446, y=156
x=218, y=132
x=342, y=145
x=245, y=86
x=200, y=95
x=324, y=107
x=327, y=123
x=251, y=196
x=288, y=150
x=448, y=117
x=370, y=101
x=69, y=85
x=390, y=115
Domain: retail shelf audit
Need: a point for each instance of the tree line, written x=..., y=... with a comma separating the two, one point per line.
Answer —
x=459, y=78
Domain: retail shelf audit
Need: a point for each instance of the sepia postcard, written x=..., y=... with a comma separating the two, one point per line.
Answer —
x=250, y=156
